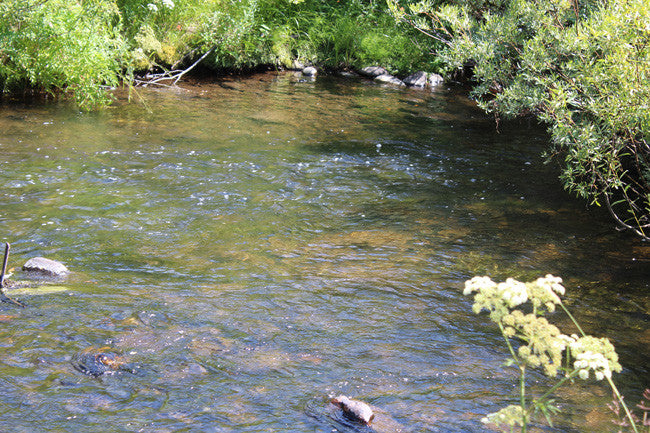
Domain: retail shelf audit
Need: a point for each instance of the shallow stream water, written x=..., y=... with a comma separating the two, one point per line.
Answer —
x=256, y=245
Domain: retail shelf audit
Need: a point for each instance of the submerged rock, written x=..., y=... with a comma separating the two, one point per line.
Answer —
x=373, y=71
x=419, y=79
x=348, y=74
x=389, y=79
x=354, y=409
x=45, y=266
x=95, y=362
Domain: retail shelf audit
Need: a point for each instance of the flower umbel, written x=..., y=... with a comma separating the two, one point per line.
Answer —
x=597, y=354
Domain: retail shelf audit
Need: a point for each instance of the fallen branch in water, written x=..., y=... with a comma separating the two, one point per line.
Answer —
x=3, y=295
x=174, y=74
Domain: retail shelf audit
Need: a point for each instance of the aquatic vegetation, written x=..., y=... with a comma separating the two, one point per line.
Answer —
x=97, y=361
x=541, y=344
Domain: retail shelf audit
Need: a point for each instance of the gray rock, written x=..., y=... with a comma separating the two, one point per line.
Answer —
x=435, y=80
x=310, y=71
x=419, y=79
x=354, y=409
x=45, y=266
x=389, y=79
x=373, y=71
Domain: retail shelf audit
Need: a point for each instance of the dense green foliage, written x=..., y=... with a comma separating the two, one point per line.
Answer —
x=80, y=46
x=59, y=44
x=583, y=67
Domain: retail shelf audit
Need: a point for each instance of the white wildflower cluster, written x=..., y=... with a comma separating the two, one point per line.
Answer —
x=597, y=354
x=513, y=292
x=541, y=344
x=501, y=297
x=545, y=291
x=545, y=344
x=592, y=361
x=498, y=299
x=154, y=6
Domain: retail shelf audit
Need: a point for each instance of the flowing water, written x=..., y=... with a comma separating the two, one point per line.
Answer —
x=255, y=246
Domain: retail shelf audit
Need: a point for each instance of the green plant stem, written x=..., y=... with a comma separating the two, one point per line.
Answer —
x=522, y=381
x=620, y=399
x=609, y=379
x=512, y=351
x=575, y=322
x=554, y=387
x=522, y=390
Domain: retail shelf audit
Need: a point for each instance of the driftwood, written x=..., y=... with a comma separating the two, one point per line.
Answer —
x=3, y=295
x=173, y=75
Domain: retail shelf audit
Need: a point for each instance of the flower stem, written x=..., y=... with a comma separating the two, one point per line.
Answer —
x=620, y=399
x=575, y=322
x=512, y=351
x=538, y=401
x=522, y=390
x=609, y=379
x=522, y=381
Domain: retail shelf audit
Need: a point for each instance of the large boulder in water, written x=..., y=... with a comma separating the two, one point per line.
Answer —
x=419, y=79
x=45, y=266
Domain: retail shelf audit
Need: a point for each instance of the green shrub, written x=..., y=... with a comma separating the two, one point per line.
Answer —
x=58, y=44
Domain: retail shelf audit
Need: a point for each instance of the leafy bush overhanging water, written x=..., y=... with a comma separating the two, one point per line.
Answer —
x=582, y=67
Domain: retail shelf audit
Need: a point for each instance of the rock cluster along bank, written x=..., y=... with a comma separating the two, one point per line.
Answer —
x=419, y=80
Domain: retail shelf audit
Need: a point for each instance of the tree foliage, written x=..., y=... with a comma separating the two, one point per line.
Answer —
x=581, y=66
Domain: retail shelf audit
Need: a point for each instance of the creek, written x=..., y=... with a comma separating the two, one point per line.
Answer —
x=256, y=245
